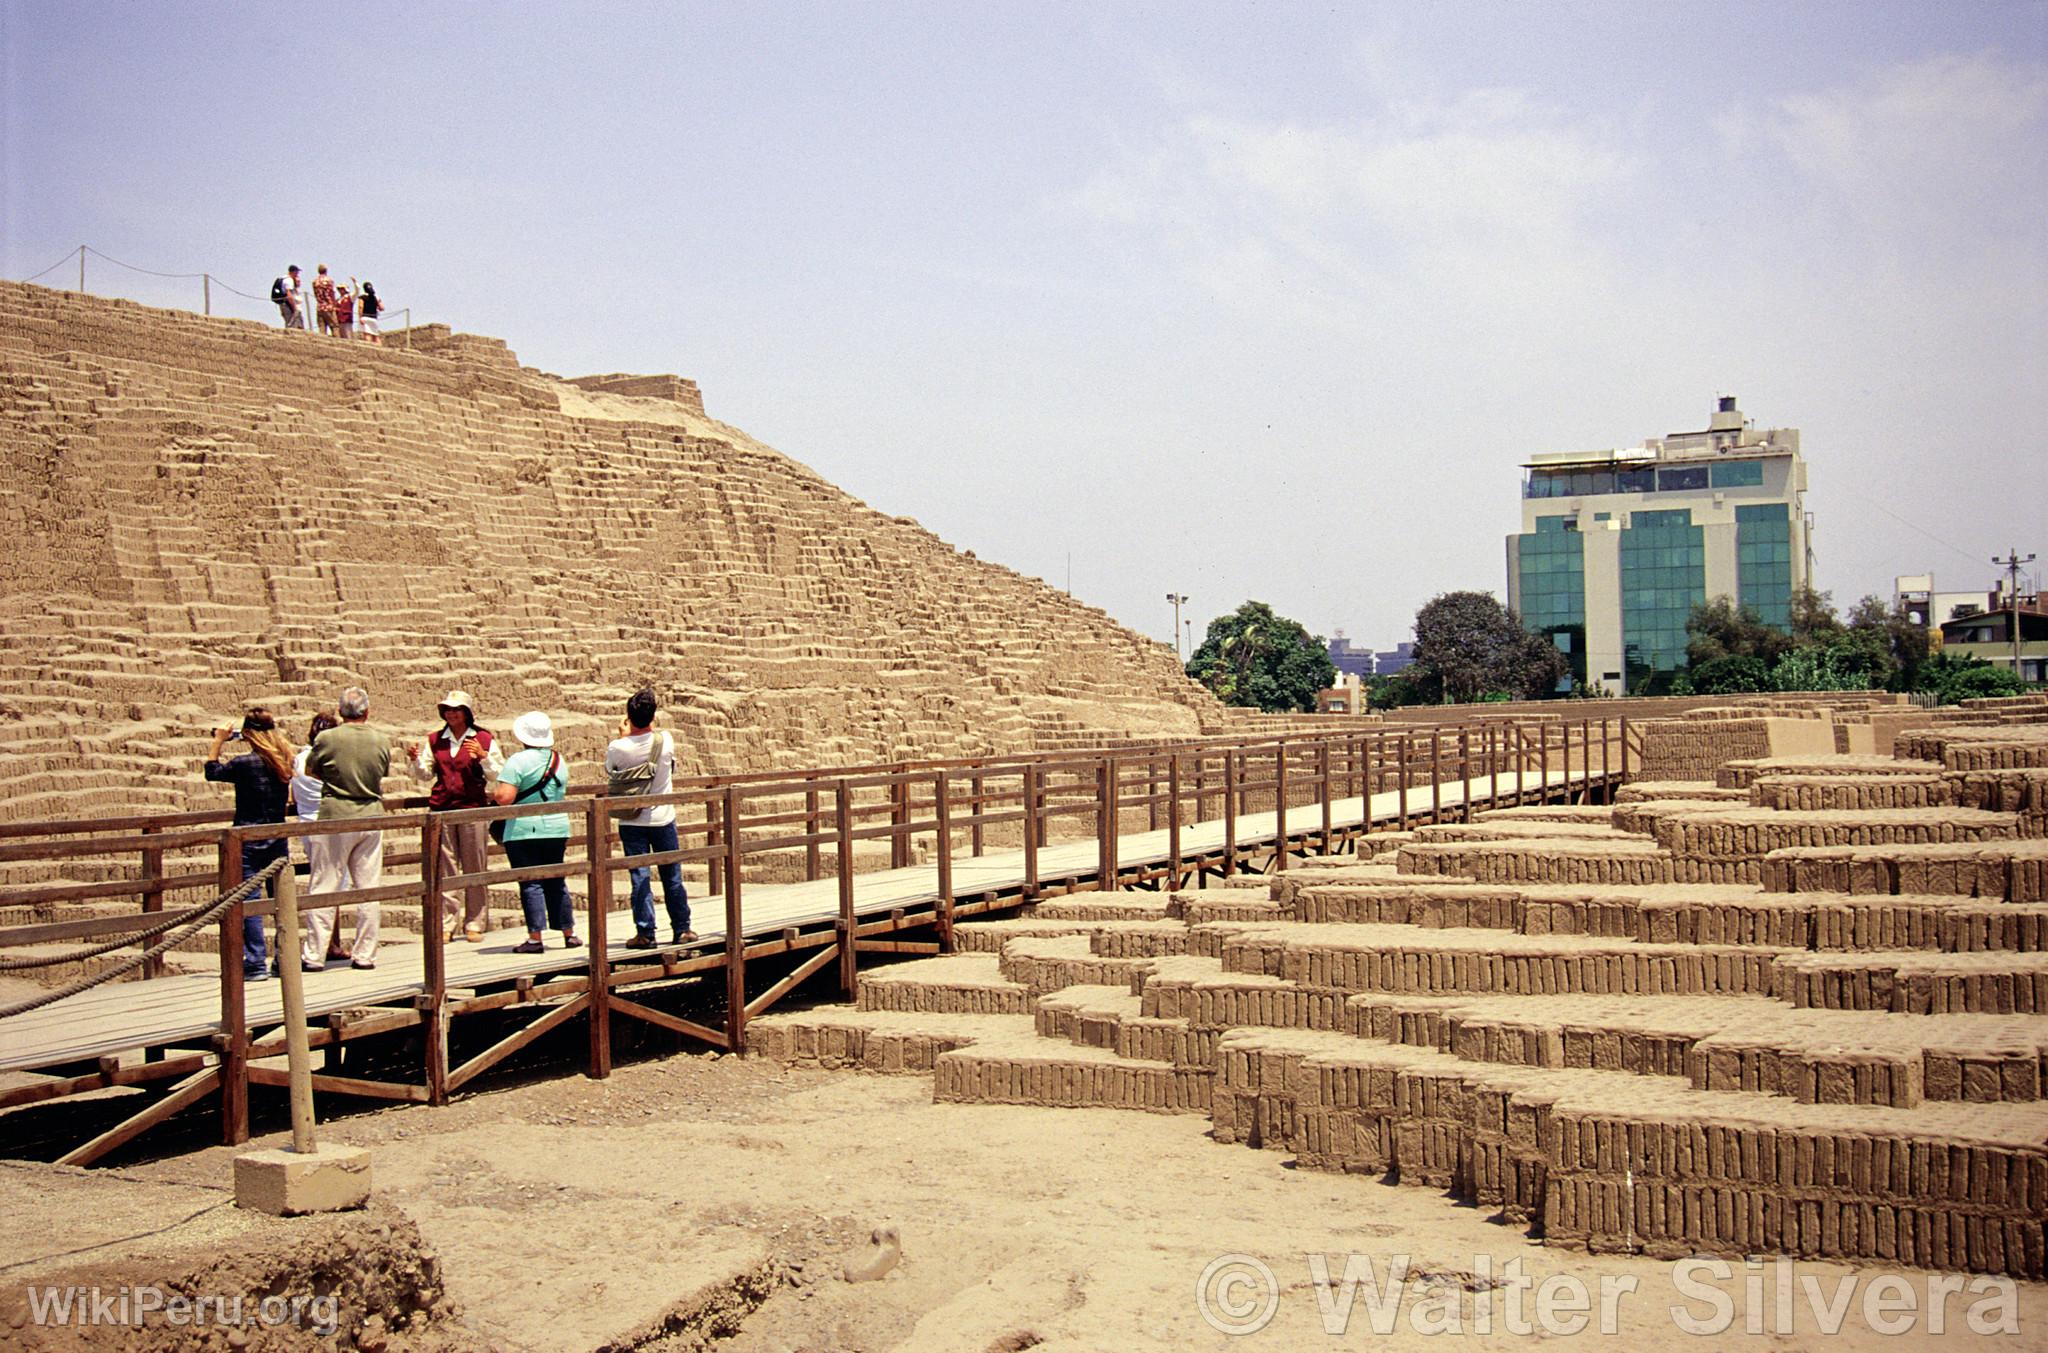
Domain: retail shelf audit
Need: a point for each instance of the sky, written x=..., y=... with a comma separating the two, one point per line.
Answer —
x=1240, y=301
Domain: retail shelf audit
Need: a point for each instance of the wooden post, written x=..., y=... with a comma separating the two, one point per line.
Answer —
x=714, y=835
x=1030, y=831
x=812, y=862
x=735, y=933
x=1229, y=811
x=1152, y=793
x=597, y=833
x=434, y=959
x=1465, y=770
x=942, y=785
x=1280, y=805
x=1323, y=770
x=1436, y=775
x=842, y=798
x=298, y=1049
x=1564, y=734
x=1106, y=824
x=899, y=815
x=1624, y=746
x=1173, y=819
x=1401, y=769
x=153, y=890
x=1543, y=760
x=977, y=787
x=234, y=1022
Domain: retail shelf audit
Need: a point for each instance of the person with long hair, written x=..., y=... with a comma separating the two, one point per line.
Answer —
x=306, y=807
x=262, y=778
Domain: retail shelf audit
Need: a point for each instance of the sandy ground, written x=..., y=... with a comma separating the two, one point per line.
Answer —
x=569, y=1214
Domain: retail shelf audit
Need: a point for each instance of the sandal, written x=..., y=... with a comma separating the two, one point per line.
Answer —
x=572, y=942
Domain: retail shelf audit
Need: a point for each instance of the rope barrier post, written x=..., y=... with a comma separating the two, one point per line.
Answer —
x=597, y=838
x=233, y=1038
x=206, y=292
x=81, y=269
x=435, y=959
x=298, y=1050
x=849, y=927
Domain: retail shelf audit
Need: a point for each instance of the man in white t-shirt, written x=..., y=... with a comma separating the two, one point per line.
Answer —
x=651, y=830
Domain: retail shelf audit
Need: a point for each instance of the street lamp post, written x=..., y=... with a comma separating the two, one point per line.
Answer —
x=1179, y=600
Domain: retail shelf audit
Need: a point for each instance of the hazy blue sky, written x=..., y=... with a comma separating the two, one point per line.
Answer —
x=1238, y=300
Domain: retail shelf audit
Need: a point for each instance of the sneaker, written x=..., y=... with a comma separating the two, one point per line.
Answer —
x=255, y=974
x=528, y=947
x=355, y=964
x=312, y=967
x=572, y=942
x=640, y=942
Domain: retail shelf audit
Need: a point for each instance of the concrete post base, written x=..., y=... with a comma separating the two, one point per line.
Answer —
x=287, y=1184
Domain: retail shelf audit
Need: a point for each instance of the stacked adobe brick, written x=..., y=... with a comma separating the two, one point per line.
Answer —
x=1660, y=1066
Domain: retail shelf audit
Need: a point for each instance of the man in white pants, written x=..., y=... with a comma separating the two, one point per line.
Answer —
x=351, y=762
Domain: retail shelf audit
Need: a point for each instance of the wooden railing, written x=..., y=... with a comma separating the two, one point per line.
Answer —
x=956, y=809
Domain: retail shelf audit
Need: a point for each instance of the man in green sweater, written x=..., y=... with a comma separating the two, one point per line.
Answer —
x=351, y=762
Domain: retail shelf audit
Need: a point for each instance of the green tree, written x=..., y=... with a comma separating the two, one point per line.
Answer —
x=1813, y=618
x=1732, y=674
x=1897, y=645
x=1953, y=679
x=1255, y=659
x=1470, y=646
x=1838, y=666
x=1721, y=629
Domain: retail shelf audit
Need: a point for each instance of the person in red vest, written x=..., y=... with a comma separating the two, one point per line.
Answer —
x=460, y=759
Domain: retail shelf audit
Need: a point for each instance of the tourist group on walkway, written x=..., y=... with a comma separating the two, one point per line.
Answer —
x=351, y=311
x=339, y=775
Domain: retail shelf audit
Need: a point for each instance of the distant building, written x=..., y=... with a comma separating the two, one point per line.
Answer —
x=1617, y=547
x=1348, y=659
x=1929, y=608
x=1987, y=633
x=1346, y=697
x=1389, y=661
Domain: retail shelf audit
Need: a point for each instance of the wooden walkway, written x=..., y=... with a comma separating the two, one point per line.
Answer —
x=170, y=1011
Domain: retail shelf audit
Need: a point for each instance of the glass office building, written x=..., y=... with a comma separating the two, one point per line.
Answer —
x=1617, y=547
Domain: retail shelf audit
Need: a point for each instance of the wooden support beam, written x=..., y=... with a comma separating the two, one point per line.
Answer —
x=234, y=1020
x=343, y=1085
x=674, y=1023
x=505, y=1047
x=188, y=1091
x=795, y=976
x=597, y=851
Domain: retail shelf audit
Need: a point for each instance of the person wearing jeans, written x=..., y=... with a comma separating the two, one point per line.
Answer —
x=537, y=775
x=260, y=777
x=653, y=829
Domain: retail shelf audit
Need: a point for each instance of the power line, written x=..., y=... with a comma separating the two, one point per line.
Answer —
x=1910, y=526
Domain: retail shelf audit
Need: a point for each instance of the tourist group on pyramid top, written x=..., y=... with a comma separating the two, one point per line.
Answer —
x=339, y=774
x=350, y=311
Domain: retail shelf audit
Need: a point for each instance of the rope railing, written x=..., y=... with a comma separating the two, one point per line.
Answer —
x=208, y=281
x=183, y=925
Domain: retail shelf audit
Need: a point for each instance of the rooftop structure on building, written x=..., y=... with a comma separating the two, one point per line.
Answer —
x=1349, y=659
x=1617, y=547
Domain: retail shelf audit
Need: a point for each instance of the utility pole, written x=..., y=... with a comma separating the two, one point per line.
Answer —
x=1178, y=601
x=2011, y=564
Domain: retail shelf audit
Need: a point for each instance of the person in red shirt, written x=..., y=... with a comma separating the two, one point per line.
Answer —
x=323, y=299
x=460, y=759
